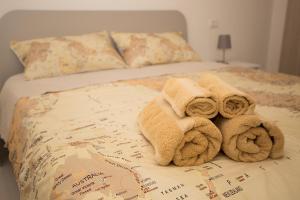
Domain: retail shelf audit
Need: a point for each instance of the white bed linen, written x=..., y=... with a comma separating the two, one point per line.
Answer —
x=16, y=86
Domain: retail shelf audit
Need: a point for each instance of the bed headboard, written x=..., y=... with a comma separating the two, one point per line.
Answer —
x=29, y=24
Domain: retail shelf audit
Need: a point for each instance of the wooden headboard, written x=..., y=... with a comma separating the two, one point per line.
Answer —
x=29, y=24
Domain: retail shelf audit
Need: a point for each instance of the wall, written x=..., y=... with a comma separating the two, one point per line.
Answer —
x=279, y=8
x=248, y=21
x=290, y=51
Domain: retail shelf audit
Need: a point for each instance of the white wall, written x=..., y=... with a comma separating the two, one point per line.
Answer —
x=248, y=21
x=279, y=8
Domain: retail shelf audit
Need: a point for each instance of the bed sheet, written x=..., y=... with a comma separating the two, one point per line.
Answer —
x=17, y=87
x=95, y=149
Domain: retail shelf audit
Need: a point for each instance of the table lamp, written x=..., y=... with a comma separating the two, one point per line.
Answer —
x=224, y=43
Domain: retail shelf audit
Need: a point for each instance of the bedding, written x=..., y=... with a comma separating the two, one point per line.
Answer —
x=142, y=49
x=17, y=87
x=55, y=56
x=84, y=143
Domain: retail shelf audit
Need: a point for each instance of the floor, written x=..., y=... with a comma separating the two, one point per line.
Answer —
x=8, y=186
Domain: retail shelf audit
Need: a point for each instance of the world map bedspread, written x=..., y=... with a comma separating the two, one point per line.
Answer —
x=85, y=144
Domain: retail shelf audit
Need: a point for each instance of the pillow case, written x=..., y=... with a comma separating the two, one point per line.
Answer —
x=141, y=49
x=55, y=56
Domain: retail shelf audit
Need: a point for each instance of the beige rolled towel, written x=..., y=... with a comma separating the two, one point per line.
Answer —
x=187, y=98
x=250, y=138
x=232, y=102
x=185, y=141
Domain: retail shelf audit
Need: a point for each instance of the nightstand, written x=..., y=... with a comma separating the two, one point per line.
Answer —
x=245, y=64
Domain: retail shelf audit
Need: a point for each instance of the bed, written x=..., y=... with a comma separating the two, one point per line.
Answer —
x=76, y=137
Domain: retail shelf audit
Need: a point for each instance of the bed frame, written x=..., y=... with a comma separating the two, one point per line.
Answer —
x=29, y=24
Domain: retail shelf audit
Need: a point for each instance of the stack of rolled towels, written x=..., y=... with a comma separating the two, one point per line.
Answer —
x=190, y=122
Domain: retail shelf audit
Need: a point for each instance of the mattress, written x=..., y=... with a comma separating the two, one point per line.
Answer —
x=84, y=143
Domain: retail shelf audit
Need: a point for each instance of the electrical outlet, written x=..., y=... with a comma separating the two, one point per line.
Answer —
x=213, y=24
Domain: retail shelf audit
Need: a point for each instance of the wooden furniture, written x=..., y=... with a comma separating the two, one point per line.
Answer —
x=3, y=152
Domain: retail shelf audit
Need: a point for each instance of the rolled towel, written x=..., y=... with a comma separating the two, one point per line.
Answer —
x=250, y=138
x=185, y=141
x=232, y=102
x=187, y=98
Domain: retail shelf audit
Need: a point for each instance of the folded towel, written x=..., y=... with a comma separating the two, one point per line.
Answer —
x=187, y=98
x=232, y=102
x=185, y=141
x=250, y=138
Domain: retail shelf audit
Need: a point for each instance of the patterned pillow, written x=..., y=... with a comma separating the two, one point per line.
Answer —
x=140, y=49
x=55, y=56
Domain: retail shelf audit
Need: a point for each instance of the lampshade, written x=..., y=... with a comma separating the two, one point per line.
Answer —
x=224, y=42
